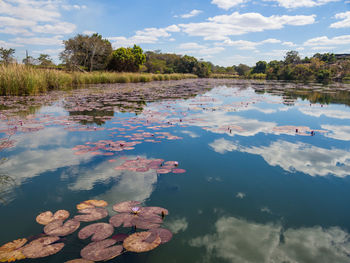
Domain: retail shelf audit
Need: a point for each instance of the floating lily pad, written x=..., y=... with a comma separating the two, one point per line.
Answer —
x=143, y=224
x=16, y=244
x=122, y=219
x=164, y=234
x=42, y=247
x=58, y=228
x=124, y=207
x=101, y=250
x=47, y=217
x=91, y=204
x=11, y=251
x=98, y=231
x=136, y=242
x=151, y=210
x=61, y=214
x=91, y=214
x=178, y=171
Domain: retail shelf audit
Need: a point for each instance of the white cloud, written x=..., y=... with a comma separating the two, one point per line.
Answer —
x=23, y=17
x=89, y=32
x=343, y=23
x=300, y=3
x=45, y=41
x=238, y=240
x=227, y=4
x=338, y=132
x=288, y=43
x=5, y=44
x=196, y=48
x=74, y=7
x=177, y=225
x=325, y=41
x=146, y=36
x=248, y=45
x=193, y=13
x=291, y=157
x=328, y=112
x=57, y=28
x=222, y=26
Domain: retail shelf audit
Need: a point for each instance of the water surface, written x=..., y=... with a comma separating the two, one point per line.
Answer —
x=266, y=163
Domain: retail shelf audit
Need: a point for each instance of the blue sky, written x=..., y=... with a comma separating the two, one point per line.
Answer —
x=225, y=32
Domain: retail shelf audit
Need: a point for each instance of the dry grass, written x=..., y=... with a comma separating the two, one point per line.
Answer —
x=18, y=80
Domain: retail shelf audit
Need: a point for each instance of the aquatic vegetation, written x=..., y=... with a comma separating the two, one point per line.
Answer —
x=144, y=165
x=91, y=204
x=17, y=79
x=12, y=250
x=102, y=248
x=48, y=217
x=42, y=247
x=98, y=231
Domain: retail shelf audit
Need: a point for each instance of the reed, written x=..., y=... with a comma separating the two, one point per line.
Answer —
x=19, y=80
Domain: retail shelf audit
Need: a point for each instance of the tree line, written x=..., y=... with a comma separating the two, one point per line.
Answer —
x=91, y=53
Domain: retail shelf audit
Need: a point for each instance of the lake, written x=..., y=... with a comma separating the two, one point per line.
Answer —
x=258, y=171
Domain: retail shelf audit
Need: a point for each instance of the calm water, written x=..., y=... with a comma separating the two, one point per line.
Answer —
x=258, y=186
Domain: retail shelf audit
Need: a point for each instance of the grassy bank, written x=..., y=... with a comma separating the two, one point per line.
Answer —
x=16, y=79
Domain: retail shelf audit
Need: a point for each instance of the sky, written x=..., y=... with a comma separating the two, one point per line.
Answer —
x=225, y=32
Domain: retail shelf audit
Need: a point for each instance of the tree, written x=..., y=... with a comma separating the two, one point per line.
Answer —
x=260, y=67
x=6, y=55
x=90, y=52
x=45, y=60
x=29, y=60
x=127, y=59
x=292, y=57
x=242, y=69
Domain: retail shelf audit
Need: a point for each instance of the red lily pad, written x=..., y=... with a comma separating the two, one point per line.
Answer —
x=42, y=247
x=58, y=228
x=98, y=231
x=91, y=214
x=101, y=251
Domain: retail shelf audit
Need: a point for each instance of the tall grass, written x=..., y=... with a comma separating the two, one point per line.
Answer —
x=17, y=79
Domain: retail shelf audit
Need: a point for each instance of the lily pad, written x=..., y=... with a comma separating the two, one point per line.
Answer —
x=136, y=242
x=101, y=250
x=11, y=251
x=58, y=228
x=122, y=219
x=47, y=217
x=42, y=247
x=91, y=204
x=164, y=234
x=124, y=207
x=91, y=214
x=98, y=231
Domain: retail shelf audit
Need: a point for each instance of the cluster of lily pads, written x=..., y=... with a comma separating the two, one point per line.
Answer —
x=144, y=165
x=145, y=222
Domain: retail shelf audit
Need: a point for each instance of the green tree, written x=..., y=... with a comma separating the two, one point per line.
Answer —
x=90, y=52
x=260, y=67
x=292, y=57
x=242, y=69
x=127, y=59
x=45, y=60
x=6, y=55
x=302, y=72
x=29, y=60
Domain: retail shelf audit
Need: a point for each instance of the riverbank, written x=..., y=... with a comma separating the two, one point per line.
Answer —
x=19, y=80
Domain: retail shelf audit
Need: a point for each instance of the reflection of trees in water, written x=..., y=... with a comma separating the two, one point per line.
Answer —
x=100, y=115
x=312, y=94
